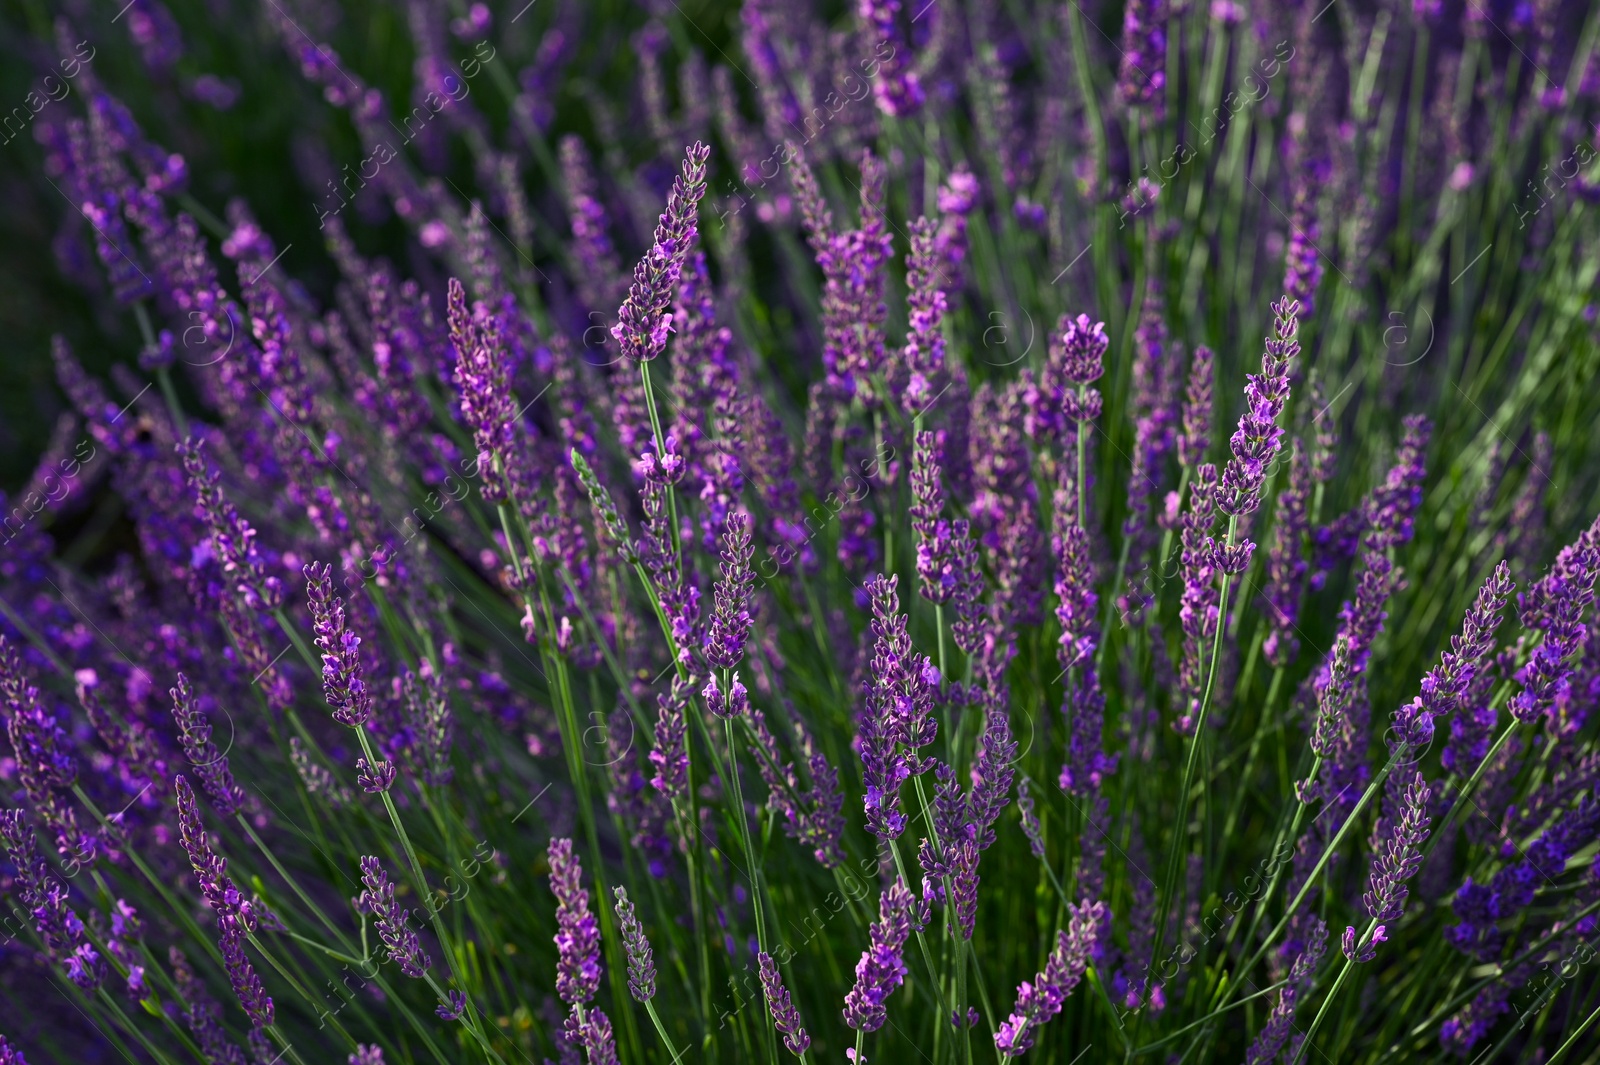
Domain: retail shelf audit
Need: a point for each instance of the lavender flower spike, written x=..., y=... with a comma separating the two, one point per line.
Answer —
x=1280, y=1021
x=1400, y=856
x=398, y=939
x=881, y=968
x=481, y=381
x=1041, y=1000
x=784, y=1016
x=342, y=685
x=897, y=88
x=233, y=538
x=730, y=613
x=671, y=754
x=577, y=936
x=1195, y=440
x=1258, y=439
x=194, y=733
x=641, y=963
x=645, y=319
x=923, y=354
x=235, y=917
x=1556, y=606
x=10, y=1055
x=1142, y=78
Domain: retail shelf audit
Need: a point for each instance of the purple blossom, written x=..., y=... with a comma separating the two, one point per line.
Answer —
x=670, y=755
x=367, y=1054
x=1286, y=563
x=934, y=568
x=1030, y=819
x=1142, y=76
x=1446, y=685
x=1195, y=440
x=730, y=612
x=881, y=968
x=10, y=1055
x=375, y=776
x=1041, y=1000
x=577, y=935
x=730, y=704
x=1400, y=856
x=784, y=1016
x=1280, y=1021
x=232, y=538
x=453, y=1006
x=644, y=320
x=390, y=920
x=1302, y=266
x=641, y=963
x=1198, y=603
x=1555, y=607
x=342, y=683
x=1257, y=440
x=1077, y=601
x=657, y=549
x=483, y=385
x=593, y=1033
x=236, y=918
x=45, y=896
x=923, y=355
x=194, y=733
x=896, y=721
x=853, y=308
x=897, y=87
x=45, y=764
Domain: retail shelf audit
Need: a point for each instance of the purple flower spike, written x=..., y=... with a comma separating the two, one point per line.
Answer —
x=641, y=963
x=374, y=777
x=1142, y=78
x=1364, y=951
x=671, y=754
x=1041, y=1000
x=897, y=88
x=1030, y=819
x=39, y=890
x=881, y=968
x=645, y=319
x=236, y=917
x=1286, y=563
x=453, y=1006
x=367, y=1054
x=577, y=935
x=377, y=898
x=730, y=612
x=1400, y=856
x=1280, y=1022
x=480, y=373
x=1555, y=606
x=1258, y=439
x=731, y=704
x=923, y=355
x=233, y=538
x=784, y=1016
x=10, y=1055
x=935, y=569
x=342, y=685
x=194, y=733
x=1195, y=440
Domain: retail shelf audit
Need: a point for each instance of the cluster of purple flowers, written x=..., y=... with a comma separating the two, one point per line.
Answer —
x=659, y=458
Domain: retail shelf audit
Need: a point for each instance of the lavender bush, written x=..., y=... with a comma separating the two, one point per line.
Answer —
x=885, y=531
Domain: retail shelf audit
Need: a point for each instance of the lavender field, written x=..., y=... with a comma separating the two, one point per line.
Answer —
x=894, y=531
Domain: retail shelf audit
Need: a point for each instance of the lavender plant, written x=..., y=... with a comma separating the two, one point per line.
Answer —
x=733, y=452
